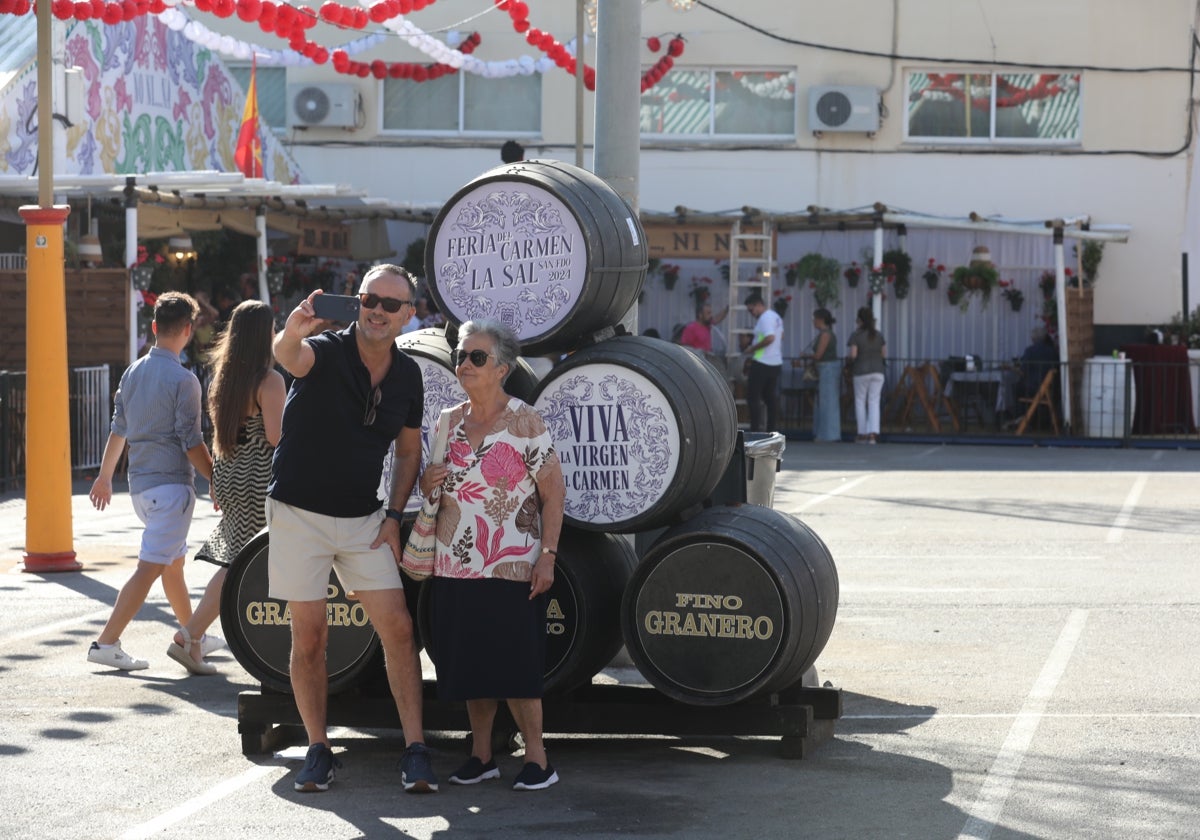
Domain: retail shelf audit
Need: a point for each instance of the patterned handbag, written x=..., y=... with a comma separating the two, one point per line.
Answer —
x=417, y=558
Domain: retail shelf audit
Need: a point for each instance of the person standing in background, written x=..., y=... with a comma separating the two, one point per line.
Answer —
x=827, y=425
x=766, y=363
x=512, y=152
x=698, y=335
x=867, y=353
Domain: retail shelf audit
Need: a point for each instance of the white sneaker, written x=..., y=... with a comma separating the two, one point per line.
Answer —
x=114, y=657
x=211, y=643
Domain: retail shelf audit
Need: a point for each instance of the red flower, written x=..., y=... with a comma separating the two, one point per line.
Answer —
x=503, y=463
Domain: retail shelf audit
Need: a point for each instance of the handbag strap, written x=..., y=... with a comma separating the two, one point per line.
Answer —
x=437, y=453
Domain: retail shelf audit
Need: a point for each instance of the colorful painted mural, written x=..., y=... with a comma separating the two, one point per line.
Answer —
x=153, y=102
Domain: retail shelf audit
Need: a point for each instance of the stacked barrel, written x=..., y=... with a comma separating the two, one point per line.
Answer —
x=730, y=601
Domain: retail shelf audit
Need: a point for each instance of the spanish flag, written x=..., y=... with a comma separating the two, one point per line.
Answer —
x=248, y=154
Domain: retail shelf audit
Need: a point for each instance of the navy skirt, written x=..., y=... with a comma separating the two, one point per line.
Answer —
x=488, y=639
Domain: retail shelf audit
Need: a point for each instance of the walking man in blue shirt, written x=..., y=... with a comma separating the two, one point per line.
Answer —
x=157, y=411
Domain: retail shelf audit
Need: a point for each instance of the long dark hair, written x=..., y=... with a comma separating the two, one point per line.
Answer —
x=867, y=318
x=240, y=358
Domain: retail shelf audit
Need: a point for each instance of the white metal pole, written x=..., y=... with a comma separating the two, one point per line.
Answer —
x=1060, y=287
x=260, y=229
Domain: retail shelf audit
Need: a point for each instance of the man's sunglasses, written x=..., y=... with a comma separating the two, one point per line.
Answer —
x=393, y=305
x=477, y=357
x=372, y=404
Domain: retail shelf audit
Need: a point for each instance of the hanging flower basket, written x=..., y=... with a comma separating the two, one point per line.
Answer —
x=977, y=278
x=853, y=274
x=670, y=275
x=821, y=273
x=933, y=273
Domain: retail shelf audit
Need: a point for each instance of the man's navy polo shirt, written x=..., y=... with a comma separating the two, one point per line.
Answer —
x=327, y=461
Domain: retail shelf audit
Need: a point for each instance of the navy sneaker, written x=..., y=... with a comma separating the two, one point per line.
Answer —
x=533, y=777
x=475, y=771
x=317, y=772
x=416, y=770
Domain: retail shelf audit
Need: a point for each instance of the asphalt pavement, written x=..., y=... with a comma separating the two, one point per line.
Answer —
x=1015, y=643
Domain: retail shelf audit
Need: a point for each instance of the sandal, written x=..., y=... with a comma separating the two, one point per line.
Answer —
x=183, y=655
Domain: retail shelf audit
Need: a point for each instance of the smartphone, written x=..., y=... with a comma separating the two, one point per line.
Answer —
x=341, y=308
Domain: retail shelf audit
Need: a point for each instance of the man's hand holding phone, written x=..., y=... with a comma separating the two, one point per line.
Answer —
x=342, y=309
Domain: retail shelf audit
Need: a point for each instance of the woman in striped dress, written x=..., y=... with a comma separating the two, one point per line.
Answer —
x=245, y=403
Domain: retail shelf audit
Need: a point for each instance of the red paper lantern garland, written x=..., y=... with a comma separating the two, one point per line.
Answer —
x=291, y=23
x=413, y=71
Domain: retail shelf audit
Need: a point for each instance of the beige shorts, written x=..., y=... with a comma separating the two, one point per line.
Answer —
x=304, y=546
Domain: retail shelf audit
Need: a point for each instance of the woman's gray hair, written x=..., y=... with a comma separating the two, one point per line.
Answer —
x=506, y=345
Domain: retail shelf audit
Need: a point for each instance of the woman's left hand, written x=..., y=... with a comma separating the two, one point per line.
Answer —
x=543, y=576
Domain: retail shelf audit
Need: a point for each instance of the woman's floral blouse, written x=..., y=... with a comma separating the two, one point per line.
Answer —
x=489, y=518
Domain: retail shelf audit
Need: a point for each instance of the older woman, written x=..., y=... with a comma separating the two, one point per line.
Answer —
x=497, y=539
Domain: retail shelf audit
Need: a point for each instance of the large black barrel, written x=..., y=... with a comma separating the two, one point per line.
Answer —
x=583, y=630
x=432, y=353
x=544, y=246
x=737, y=601
x=258, y=628
x=644, y=430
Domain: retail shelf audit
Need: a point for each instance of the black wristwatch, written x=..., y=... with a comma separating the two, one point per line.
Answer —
x=392, y=513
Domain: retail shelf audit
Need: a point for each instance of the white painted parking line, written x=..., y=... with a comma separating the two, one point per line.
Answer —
x=217, y=793
x=849, y=485
x=1003, y=773
x=214, y=794
x=54, y=627
x=1118, y=527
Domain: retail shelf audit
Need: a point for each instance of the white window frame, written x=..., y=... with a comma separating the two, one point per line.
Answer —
x=460, y=78
x=711, y=136
x=991, y=141
x=280, y=129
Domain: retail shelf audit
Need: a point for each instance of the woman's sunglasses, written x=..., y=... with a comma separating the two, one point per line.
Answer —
x=477, y=357
x=393, y=305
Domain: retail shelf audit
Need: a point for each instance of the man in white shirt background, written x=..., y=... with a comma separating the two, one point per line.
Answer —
x=766, y=363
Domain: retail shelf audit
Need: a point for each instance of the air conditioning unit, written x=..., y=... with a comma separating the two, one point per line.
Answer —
x=324, y=106
x=843, y=108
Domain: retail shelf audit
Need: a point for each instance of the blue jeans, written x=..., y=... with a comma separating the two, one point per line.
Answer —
x=827, y=422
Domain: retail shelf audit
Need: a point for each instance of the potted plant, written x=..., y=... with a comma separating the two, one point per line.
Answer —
x=791, y=273
x=821, y=274
x=853, y=274
x=670, y=275
x=878, y=278
x=1089, y=261
x=1014, y=296
x=780, y=302
x=700, y=290
x=933, y=273
x=977, y=278
x=899, y=266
